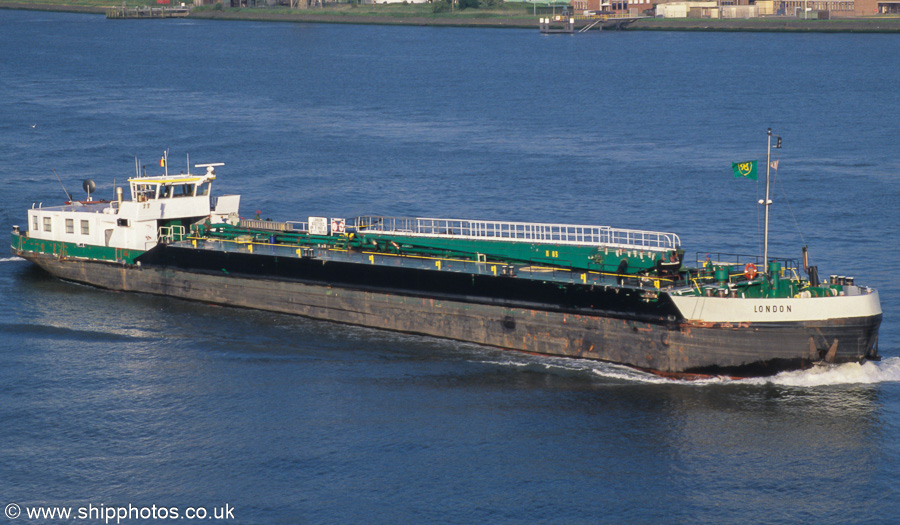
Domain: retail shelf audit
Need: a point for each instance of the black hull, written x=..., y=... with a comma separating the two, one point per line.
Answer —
x=619, y=325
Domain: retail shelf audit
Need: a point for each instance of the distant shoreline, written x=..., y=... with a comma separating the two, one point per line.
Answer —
x=790, y=25
x=329, y=18
x=62, y=8
x=772, y=24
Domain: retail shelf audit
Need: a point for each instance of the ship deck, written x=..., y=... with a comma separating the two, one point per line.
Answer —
x=538, y=273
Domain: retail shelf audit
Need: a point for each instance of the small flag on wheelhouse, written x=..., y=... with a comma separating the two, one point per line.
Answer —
x=744, y=170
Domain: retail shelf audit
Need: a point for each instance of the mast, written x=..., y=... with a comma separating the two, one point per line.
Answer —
x=768, y=201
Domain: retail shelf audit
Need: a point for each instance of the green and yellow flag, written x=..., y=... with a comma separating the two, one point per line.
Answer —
x=744, y=170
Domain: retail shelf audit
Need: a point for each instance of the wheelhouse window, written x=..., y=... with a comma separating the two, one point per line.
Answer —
x=34, y=223
x=85, y=228
x=70, y=225
x=144, y=192
x=48, y=224
x=183, y=190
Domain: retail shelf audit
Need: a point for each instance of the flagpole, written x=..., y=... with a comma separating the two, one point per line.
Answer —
x=768, y=203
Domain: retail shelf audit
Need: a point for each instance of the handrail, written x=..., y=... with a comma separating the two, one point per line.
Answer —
x=602, y=236
x=608, y=16
x=740, y=259
x=169, y=234
x=526, y=232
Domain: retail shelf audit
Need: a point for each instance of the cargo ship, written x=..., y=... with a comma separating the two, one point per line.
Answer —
x=623, y=296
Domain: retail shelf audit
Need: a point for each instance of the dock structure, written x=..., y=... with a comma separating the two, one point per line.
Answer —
x=584, y=23
x=613, y=22
x=147, y=12
x=557, y=24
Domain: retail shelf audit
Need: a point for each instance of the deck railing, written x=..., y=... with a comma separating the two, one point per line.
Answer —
x=528, y=232
x=170, y=234
x=518, y=232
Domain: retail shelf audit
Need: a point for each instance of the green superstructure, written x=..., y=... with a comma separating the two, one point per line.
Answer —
x=579, y=248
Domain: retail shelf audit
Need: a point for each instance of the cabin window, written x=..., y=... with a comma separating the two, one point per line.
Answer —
x=85, y=228
x=47, y=224
x=144, y=192
x=70, y=225
x=203, y=189
x=122, y=222
x=183, y=190
x=34, y=222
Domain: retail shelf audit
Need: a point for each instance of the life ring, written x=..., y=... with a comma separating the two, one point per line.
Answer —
x=750, y=271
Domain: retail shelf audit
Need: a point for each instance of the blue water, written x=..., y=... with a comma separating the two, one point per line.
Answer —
x=114, y=399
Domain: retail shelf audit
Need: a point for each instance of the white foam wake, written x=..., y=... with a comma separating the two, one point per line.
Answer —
x=885, y=371
x=595, y=369
x=10, y=259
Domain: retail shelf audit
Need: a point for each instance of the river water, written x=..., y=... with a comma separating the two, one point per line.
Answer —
x=113, y=400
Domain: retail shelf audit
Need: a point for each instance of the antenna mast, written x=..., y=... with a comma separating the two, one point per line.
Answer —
x=768, y=202
x=69, y=197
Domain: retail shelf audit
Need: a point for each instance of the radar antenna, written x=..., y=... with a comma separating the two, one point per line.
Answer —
x=89, y=187
x=210, y=168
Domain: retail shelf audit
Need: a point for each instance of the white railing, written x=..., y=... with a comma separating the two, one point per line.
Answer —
x=170, y=234
x=518, y=232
